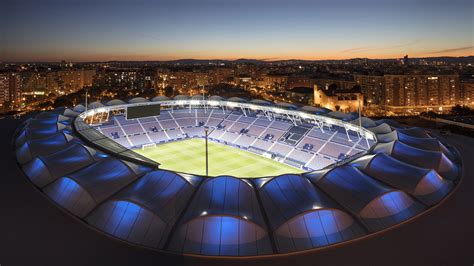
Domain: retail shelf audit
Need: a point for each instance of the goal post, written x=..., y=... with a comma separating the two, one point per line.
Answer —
x=148, y=146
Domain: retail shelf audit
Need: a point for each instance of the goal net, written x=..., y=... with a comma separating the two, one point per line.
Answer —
x=148, y=146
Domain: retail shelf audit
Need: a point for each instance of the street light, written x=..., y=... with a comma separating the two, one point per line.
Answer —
x=206, y=130
x=86, y=97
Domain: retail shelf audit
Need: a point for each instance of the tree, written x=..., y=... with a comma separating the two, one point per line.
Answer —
x=459, y=110
x=332, y=87
x=169, y=91
x=62, y=102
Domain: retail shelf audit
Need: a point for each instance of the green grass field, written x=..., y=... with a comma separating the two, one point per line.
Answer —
x=188, y=156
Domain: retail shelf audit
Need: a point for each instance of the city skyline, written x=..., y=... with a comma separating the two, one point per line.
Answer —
x=265, y=30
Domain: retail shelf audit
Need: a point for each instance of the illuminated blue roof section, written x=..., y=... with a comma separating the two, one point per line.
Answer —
x=376, y=205
x=315, y=229
x=129, y=221
x=224, y=218
x=414, y=132
x=45, y=169
x=286, y=196
x=430, y=144
x=220, y=235
x=39, y=147
x=162, y=195
x=302, y=217
x=424, y=184
x=226, y=195
x=67, y=193
x=99, y=181
x=426, y=159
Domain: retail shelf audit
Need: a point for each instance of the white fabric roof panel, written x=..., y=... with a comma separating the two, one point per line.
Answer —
x=236, y=99
x=226, y=195
x=216, y=98
x=418, y=157
x=68, y=194
x=96, y=181
x=129, y=221
x=302, y=217
x=181, y=97
x=160, y=98
x=365, y=121
x=424, y=184
x=315, y=229
x=221, y=235
x=381, y=129
x=94, y=105
x=79, y=108
x=39, y=147
x=430, y=144
x=138, y=100
x=376, y=205
x=390, y=122
x=39, y=132
x=414, y=132
x=226, y=208
x=45, y=169
x=156, y=200
x=71, y=113
x=115, y=102
x=226, y=216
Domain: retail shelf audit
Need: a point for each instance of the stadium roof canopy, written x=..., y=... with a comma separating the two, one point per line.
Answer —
x=216, y=98
x=303, y=217
x=94, y=105
x=151, y=206
x=419, y=157
x=261, y=102
x=237, y=99
x=377, y=205
x=160, y=98
x=43, y=170
x=425, y=184
x=138, y=100
x=407, y=172
x=286, y=105
x=223, y=219
x=181, y=97
x=198, y=97
x=115, y=102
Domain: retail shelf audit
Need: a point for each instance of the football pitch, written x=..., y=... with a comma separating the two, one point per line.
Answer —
x=188, y=156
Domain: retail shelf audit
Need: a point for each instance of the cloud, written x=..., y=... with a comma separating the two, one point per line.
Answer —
x=459, y=49
x=358, y=49
x=378, y=48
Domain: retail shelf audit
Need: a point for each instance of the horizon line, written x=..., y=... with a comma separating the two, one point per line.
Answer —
x=230, y=59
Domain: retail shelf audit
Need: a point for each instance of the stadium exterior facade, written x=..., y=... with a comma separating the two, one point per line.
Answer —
x=402, y=173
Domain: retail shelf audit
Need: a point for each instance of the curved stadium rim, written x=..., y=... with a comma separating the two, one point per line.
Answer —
x=109, y=146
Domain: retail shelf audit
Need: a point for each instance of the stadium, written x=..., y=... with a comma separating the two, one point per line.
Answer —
x=216, y=177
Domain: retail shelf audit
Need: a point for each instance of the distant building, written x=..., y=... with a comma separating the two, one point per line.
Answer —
x=10, y=91
x=339, y=83
x=4, y=92
x=339, y=100
x=421, y=90
x=372, y=88
x=184, y=81
x=221, y=75
x=467, y=89
x=300, y=81
x=303, y=95
x=276, y=82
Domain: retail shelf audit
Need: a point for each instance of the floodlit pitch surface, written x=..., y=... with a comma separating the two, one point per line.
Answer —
x=188, y=156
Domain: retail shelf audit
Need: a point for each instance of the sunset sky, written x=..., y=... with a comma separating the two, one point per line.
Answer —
x=100, y=30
